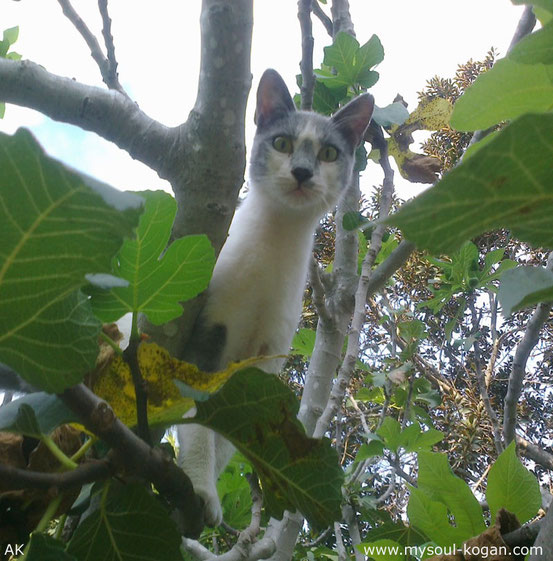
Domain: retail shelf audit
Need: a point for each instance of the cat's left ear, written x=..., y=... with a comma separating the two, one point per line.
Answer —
x=354, y=118
x=273, y=98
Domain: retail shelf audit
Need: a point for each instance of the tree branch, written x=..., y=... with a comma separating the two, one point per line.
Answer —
x=544, y=541
x=481, y=380
x=525, y=26
x=306, y=64
x=348, y=365
x=130, y=356
x=93, y=45
x=110, y=47
x=324, y=19
x=245, y=549
x=518, y=370
x=107, y=113
x=535, y=453
x=17, y=478
x=136, y=456
x=210, y=156
x=318, y=290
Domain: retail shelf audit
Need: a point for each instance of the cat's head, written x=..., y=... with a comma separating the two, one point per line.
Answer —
x=302, y=160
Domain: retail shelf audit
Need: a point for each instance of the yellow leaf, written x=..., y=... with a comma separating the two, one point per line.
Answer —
x=159, y=369
x=431, y=114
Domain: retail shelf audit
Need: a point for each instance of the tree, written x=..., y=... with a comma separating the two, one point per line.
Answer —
x=426, y=351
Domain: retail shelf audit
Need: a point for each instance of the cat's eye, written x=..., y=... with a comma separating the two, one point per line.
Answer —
x=328, y=154
x=283, y=144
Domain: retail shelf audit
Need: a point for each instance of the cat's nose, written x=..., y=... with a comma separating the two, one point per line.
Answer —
x=302, y=174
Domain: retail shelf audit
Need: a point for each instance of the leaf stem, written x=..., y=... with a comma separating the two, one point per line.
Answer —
x=65, y=461
x=83, y=449
x=111, y=343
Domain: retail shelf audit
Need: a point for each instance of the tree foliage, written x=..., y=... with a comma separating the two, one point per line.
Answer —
x=443, y=371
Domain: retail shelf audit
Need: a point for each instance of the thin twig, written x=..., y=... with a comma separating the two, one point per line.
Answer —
x=111, y=71
x=481, y=380
x=246, y=548
x=325, y=20
x=131, y=358
x=306, y=64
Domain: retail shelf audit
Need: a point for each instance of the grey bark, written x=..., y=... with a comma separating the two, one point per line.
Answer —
x=518, y=370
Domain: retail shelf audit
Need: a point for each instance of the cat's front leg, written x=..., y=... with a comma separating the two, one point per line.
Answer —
x=198, y=459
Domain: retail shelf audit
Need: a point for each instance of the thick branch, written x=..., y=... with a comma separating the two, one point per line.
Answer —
x=518, y=371
x=535, y=453
x=208, y=170
x=106, y=112
x=136, y=456
x=16, y=478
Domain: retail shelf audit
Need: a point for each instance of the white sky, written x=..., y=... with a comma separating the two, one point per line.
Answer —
x=158, y=54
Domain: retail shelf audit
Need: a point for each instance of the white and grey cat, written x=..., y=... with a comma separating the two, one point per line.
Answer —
x=300, y=164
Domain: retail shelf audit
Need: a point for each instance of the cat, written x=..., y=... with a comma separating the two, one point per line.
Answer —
x=300, y=164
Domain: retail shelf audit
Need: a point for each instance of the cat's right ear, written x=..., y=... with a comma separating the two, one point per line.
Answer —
x=273, y=98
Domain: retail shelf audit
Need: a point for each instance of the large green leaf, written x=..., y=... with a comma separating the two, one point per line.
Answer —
x=56, y=226
x=525, y=286
x=438, y=481
x=257, y=413
x=506, y=184
x=158, y=279
x=49, y=412
x=534, y=48
x=129, y=524
x=505, y=92
x=431, y=517
x=513, y=487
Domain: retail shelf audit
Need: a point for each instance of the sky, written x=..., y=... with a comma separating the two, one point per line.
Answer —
x=158, y=50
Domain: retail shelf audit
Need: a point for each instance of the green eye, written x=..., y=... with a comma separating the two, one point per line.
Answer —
x=283, y=144
x=328, y=154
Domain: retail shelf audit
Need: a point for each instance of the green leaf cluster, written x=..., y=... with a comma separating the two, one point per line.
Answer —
x=393, y=437
x=158, y=276
x=345, y=72
x=463, y=274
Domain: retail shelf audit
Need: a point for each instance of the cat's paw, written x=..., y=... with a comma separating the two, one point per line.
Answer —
x=213, y=513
